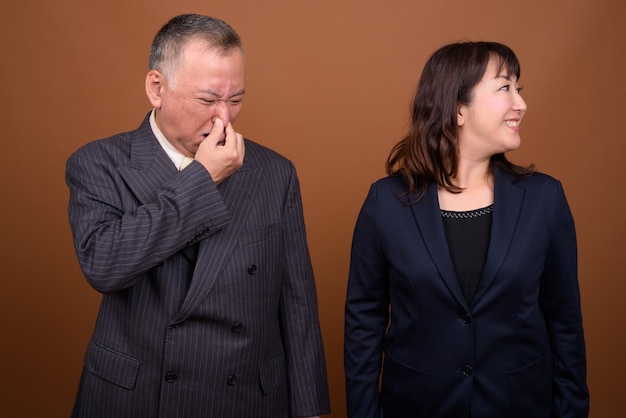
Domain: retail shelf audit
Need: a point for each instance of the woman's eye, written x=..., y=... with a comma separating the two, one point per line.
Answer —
x=508, y=88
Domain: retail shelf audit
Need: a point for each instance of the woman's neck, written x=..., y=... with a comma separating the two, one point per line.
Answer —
x=477, y=183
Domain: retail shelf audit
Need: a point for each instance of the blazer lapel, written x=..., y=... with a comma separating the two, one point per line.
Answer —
x=149, y=166
x=427, y=215
x=508, y=199
x=238, y=192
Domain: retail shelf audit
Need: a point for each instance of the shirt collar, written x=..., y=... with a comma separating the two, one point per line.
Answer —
x=175, y=155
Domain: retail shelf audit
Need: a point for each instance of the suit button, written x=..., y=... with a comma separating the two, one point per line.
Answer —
x=171, y=377
x=237, y=326
x=467, y=370
x=252, y=269
x=467, y=318
x=232, y=379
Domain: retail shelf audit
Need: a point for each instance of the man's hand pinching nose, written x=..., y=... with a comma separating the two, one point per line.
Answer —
x=218, y=127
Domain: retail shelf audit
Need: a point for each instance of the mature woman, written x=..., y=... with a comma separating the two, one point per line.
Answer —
x=463, y=296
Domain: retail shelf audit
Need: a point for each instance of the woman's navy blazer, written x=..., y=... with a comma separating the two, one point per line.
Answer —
x=517, y=350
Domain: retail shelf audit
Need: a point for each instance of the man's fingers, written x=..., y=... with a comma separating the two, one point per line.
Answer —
x=231, y=137
x=222, y=151
x=217, y=136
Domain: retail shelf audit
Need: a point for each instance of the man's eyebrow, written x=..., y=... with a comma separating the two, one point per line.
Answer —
x=216, y=94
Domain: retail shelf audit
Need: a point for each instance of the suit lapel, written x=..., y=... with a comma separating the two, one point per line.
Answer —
x=427, y=215
x=508, y=199
x=149, y=166
x=238, y=192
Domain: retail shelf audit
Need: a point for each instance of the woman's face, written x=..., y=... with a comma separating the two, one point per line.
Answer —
x=490, y=123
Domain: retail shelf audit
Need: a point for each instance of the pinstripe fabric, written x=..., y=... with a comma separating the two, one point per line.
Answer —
x=209, y=306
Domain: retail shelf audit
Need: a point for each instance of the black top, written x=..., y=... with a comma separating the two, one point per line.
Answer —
x=468, y=241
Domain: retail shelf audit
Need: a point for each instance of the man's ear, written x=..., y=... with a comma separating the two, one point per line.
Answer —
x=155, y=83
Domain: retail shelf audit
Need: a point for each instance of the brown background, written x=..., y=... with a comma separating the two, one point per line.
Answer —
x=328, y=86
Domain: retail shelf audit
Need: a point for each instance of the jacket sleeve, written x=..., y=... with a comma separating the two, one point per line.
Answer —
x=366, y=315
x=560, y=302
x=302, y=336
x=117, y=238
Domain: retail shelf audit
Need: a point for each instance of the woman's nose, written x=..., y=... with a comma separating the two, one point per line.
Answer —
x=520, y=104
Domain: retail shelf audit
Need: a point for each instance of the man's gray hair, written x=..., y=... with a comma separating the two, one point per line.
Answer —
x=167, y=46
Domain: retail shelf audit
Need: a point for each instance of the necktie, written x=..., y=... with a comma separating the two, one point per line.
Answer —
x=186, y=161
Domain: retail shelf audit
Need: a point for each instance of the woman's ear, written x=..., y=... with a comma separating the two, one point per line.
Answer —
x=155, y=82
x=460, y=115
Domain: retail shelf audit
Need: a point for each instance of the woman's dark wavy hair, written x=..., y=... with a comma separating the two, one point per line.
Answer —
x=430, y=151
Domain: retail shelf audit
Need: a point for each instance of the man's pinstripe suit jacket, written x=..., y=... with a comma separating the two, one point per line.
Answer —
x=209, y=305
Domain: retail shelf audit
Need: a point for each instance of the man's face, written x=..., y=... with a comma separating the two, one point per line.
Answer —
x=208, y=85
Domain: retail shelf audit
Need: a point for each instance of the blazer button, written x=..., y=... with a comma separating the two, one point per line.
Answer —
x=467, y=370
x=252, y=269
x=171, y=377
x=467, y=318
x=237, y=326
x=232, y=379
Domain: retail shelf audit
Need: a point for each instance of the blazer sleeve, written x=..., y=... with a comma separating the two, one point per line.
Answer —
x=560, y=302
x=366, y=314
x=302, y=336
x=117, y=238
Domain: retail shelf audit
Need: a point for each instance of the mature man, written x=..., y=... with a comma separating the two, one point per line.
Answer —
x=209, y=306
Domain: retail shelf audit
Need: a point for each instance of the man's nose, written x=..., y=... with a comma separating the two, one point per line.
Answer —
x=222, y=111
